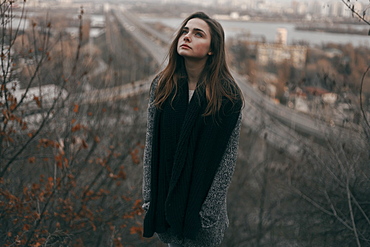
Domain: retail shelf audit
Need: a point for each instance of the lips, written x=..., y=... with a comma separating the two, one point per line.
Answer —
x=185, y=46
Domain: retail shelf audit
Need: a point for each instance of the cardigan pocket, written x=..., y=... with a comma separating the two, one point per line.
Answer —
x=210, y=220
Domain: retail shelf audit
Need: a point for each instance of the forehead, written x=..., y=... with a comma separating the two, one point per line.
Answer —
x=197, y=23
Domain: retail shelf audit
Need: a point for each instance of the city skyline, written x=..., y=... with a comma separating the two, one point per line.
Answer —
x=270, y=1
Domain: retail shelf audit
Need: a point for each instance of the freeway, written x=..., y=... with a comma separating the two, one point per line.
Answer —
x=272, y=121
x=154, y=43
x=148, y=42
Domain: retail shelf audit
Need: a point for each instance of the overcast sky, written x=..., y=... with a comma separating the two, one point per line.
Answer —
x=324, y=1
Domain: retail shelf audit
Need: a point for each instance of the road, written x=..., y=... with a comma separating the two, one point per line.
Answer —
x=272, y=121
x=152, y=44
x=256, y=103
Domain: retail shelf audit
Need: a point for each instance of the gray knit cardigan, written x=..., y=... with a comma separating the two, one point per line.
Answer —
x=213, y=212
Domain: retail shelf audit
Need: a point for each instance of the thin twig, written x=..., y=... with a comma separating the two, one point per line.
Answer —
x=361, y=89
x=354, y=228
x=355, y=13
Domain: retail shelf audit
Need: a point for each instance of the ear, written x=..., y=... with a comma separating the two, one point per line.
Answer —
x=210, y=53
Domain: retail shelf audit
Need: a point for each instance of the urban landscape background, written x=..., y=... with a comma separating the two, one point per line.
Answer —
x=74, y=88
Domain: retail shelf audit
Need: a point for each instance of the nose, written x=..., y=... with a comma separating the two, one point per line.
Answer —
x=187, y=37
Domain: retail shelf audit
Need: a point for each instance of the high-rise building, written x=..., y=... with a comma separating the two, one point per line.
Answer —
x=314, y=8
x=336, y=8
x=302, y=8
x=281, y=36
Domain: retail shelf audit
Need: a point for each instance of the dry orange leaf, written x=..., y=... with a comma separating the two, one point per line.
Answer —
x=76, y=107
x=31, y=160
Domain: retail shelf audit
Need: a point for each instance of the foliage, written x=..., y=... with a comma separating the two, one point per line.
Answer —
x=69, y=171
x=319, y=198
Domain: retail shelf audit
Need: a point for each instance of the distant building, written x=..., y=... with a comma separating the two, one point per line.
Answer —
x=346, y=12
x=234, y=15
x=325, y=10
x=281, y=36
x=315, y=8
x=279, y=52
x=107, y=7
x=333, y=52
x=301, y=104
x=329, y=98
x=249, y=4
x=299, y=7
x=335, y=8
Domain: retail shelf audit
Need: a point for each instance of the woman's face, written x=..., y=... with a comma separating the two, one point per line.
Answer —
x=195, y=40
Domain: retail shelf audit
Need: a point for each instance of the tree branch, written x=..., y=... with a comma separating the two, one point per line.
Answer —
x=361, y=89
x=354, y=12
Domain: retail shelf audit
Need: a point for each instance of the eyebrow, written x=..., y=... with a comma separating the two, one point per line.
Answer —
x=196, y=29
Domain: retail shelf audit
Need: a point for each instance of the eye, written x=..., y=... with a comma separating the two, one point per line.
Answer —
x=199, y=34
x=184, y=31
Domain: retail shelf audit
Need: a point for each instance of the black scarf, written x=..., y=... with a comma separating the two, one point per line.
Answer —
x=187, y=150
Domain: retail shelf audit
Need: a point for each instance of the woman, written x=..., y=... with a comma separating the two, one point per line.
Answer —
x=194, y=119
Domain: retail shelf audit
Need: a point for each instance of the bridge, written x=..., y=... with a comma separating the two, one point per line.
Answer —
x=279, y=125
x=273, y=121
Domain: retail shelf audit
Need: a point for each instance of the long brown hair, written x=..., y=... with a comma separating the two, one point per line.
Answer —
x=216, y=76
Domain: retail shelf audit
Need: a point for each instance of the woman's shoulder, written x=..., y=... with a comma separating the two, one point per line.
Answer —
x=155, y=81
x=153, y=88
x=232, y=93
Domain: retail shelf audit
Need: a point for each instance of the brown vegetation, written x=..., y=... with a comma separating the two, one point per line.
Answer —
x=320, y=198
x=69, y=173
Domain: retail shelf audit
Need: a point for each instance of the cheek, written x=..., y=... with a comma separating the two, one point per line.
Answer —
x=204, y=47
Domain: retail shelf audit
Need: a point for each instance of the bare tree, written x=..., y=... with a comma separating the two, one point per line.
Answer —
x=69, y=171
x=318, y=199
x=362, y=17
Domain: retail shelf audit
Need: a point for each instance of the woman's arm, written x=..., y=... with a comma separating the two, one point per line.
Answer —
x=216, y=197
x=148, y=146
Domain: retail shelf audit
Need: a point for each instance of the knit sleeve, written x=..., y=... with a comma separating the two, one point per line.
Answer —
x=215, y=200
x=148, y=146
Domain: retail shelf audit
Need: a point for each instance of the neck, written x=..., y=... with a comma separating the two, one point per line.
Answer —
x=194, y=69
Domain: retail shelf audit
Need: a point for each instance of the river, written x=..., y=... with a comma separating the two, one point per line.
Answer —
x=268, y=30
